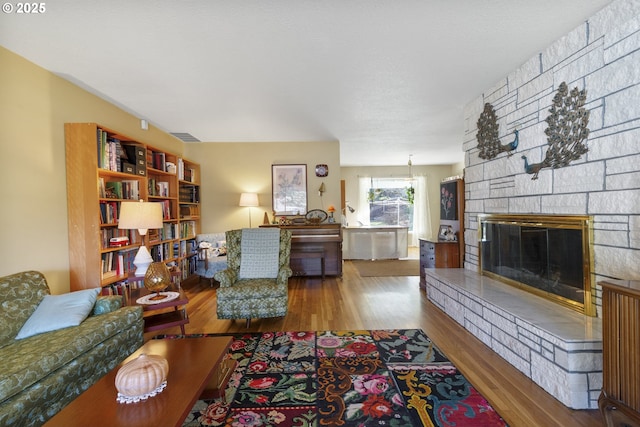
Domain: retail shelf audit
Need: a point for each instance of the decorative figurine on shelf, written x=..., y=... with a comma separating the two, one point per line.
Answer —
x=331, y=209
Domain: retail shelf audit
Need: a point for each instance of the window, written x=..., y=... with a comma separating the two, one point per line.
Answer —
x=391, y=202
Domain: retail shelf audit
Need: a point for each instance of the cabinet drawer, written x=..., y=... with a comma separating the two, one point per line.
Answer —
x=430, y=261
x=429, y=248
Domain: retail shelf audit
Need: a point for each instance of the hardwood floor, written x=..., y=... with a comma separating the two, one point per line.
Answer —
x=354, y=302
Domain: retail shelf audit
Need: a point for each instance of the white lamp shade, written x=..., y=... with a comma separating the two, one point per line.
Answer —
x=249, y=199
x=140, y=216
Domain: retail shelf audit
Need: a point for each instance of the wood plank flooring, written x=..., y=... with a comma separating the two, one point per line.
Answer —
x=354, y=302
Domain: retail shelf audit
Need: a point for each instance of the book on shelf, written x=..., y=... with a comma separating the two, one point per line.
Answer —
x=189, y=211
x=188, y=266
x=187, y=229
x=109, y=212
x=110, y=151
x=158, y=188
x=166, y=209
x=153, y=235
x=130, y=189
x=125, y=259
x=189, y=193
x=108, y=266
x=185, y=173
x=188, y=248
x=101, y=189
x=169, y=231
x=158, y=160
x=123, y=287
x=189, y=174
x=162, y=251
x=163, y=188
x=116, y=154
x=180, y=169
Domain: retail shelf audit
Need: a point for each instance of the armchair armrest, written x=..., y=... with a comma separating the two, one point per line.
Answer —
x=283, y=275
x=226, y=277
x=106, y=304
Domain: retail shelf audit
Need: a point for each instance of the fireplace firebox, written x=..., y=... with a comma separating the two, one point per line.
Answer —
x=548, y=255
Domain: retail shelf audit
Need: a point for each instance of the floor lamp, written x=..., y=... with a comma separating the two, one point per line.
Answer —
x=140, y=216
x=249, y=200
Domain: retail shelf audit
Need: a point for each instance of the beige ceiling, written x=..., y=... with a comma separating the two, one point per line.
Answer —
x=387, y=78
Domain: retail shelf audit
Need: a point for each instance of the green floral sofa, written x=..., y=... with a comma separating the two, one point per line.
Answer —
x=41, y=374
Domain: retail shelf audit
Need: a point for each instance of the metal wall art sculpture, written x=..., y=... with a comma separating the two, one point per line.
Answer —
x=488, y=141
x=567, y=131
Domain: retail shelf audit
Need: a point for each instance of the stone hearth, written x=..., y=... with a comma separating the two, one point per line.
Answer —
x=556, y=347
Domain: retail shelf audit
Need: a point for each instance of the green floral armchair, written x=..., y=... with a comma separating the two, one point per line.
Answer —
x=249, y=298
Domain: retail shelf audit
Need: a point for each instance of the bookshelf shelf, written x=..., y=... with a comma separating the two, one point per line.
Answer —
x=104, y=169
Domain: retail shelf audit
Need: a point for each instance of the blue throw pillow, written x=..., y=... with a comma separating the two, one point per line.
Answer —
x=59, y=311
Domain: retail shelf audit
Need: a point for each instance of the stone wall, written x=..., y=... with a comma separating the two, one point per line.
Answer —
x=603, y=57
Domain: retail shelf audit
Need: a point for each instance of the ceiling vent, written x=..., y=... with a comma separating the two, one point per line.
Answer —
x=185, y=137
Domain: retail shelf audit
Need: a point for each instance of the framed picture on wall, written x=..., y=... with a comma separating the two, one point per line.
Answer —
x=449, y=200
x=289, y=189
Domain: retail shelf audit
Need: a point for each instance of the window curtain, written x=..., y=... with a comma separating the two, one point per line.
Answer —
x=421, y=217
x=364, y=183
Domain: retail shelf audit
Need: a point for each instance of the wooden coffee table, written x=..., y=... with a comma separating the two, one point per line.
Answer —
x=192, y=365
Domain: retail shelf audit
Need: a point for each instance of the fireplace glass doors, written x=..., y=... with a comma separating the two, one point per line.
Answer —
x=546, y=255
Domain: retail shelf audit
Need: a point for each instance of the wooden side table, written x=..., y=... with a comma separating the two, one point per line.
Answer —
x=156, y=316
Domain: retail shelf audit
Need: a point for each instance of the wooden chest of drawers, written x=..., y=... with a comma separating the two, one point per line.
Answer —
x=437, y=255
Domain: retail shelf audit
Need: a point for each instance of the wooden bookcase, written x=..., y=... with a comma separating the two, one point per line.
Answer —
x=97, y=182
x=189, y=215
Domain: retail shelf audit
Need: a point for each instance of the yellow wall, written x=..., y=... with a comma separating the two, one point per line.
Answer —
x=228, y=169
x=34, y=105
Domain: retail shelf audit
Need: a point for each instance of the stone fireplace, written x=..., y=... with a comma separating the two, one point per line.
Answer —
x=556, y=347
x=548, y=255
x=559, y=348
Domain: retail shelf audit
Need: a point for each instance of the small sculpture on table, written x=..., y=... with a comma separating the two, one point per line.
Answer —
x=141, y=378
x=156, y=279
x=331, y=209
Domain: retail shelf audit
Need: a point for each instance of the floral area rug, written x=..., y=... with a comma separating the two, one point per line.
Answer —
x=342, y=378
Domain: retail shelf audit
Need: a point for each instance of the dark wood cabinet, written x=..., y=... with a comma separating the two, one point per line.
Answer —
x=452, y=213
x=437, y=255
x=316, y=250
x=619, y=401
